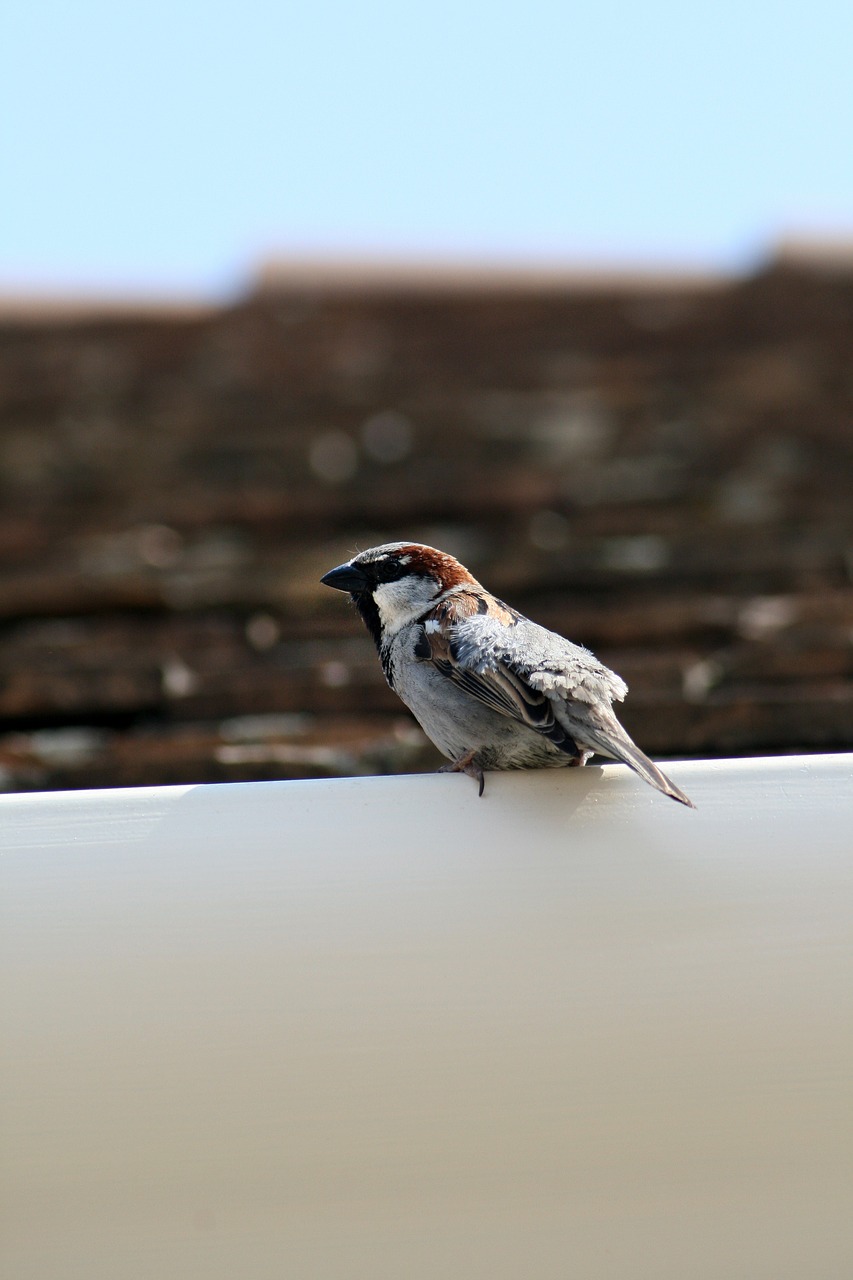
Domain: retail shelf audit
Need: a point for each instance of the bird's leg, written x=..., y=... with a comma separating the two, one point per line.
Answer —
x=580, y=759
x=466, y=764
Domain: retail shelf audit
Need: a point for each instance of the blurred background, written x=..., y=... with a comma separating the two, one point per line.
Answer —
x=568, y=294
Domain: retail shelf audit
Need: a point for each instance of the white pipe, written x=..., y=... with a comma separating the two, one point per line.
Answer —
x=382, y=1028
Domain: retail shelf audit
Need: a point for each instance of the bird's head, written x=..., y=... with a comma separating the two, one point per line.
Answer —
x=395, y=584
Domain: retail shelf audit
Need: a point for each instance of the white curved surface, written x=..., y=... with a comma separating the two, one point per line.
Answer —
x=381, y=1028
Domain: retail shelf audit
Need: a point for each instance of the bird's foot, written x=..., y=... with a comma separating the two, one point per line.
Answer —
x=466, y=764
x=580, y=759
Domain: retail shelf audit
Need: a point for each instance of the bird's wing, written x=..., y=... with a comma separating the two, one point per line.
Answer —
x=535, y=676
x=511, y=664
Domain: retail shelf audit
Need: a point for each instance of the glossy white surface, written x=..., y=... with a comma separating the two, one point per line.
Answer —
x=381, y=1028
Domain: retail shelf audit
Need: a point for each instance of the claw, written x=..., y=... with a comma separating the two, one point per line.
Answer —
x=466, y=764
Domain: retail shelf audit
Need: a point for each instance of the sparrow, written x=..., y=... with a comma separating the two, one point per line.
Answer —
x=490, y=688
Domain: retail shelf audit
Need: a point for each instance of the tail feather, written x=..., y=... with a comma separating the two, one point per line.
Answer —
x=620, y=747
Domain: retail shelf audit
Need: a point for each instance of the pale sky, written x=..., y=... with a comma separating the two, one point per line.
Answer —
x=172, y=147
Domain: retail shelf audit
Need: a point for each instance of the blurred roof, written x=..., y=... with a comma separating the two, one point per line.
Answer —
x=660, y=468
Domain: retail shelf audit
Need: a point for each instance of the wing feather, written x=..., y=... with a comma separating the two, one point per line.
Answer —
x=494, y=679
x=535, y=676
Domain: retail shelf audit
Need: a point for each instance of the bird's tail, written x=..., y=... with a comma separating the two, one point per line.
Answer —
x=619, y=746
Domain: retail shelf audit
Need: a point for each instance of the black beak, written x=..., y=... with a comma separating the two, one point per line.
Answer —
x=347, y=577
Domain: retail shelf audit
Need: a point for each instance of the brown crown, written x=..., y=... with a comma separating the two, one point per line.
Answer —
x=439, y=564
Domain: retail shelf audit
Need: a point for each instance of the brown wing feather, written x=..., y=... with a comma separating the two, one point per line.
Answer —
x=498, y=687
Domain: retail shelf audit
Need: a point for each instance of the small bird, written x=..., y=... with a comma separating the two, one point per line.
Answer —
x=490, y=688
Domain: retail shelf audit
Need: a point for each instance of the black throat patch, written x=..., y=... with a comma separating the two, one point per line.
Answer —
x=369, y=611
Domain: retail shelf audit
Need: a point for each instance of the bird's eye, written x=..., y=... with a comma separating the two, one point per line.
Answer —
x=388, y=569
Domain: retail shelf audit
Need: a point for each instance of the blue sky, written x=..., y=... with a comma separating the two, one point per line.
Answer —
x=170, y=147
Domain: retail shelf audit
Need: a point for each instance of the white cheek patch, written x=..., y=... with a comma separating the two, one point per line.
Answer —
x=431, y=626
x=401, y=602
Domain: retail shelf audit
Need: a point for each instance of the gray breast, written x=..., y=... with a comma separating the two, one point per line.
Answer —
x=457, y=722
